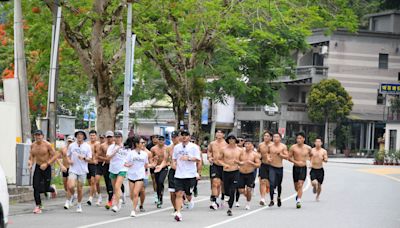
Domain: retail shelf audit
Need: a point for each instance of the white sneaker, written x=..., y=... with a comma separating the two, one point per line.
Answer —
x=115, y=208
x=133, y=213
x=66, y=205
x=190, y=205
x=79, y=208
x=247, y=207
x=155, y=198
x=262, y=202
x=99, y=201
x=178, y=217
x=214, y=206
x=54, y=194
x=89, y=202
x=237, y=204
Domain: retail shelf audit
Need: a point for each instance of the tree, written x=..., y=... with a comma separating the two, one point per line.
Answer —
x=328, y=102
x=219, y=48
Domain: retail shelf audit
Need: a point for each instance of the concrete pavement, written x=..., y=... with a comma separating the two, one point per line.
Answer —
x=352, y=196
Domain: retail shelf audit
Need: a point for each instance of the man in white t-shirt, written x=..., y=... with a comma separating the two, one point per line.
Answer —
x=78, y=155
x=185, y=158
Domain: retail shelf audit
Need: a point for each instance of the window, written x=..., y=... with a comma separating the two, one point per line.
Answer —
x=392, y=139
x=303, y=97
x=318, y=60
x=383, y=61
x=380, y=99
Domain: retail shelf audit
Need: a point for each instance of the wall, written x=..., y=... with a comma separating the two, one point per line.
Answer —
x=392, y=126
x=8, y=122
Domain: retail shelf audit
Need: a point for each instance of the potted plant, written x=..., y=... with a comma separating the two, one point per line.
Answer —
x=379, y=157
x=347, y=139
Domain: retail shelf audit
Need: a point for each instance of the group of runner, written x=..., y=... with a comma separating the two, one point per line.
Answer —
x=233, y=169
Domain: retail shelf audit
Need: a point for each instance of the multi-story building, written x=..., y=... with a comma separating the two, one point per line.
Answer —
x=361, y=61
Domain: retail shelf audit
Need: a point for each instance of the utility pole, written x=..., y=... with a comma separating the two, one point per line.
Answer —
x=20, y=71
x=51, y=113
x=128, y=72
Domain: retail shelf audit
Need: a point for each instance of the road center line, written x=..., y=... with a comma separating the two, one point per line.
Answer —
x=139, y=215
x=258, y=210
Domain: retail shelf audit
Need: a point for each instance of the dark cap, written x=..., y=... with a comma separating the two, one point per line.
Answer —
x=38, y=132
x=231, y=136
x=117, y=134
x=174, y=134
x=161, y=137
x=185, y=132
x=81, y=131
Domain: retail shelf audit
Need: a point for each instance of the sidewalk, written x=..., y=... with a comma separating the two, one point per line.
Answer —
x=358, y=161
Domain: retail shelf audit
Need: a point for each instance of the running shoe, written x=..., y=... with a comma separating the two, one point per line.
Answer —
x=79, y=208
x=66, y=205
x=158, y=205
x=271, y=204
x=279, y=202
x=214, y=206
x=89, y=202
x=298, y=205
x=133, y=213
x=262, y=202
x=108, y=205
x=178, y=217
x=115, y=208
x=190, y=205
x=237, y=204
x=155, y=198
x=247, y=207
x=141, y=209
x=54, y=194
x=37, y=210
x=99, y=201
x=229, y=212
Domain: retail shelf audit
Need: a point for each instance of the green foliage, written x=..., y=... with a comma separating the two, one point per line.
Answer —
x=395, y=104
x=329, y=101
x=311, y=137
x=379, y=156
x=344, y=137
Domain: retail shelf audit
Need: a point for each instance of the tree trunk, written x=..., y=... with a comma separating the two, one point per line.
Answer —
x=194, y=109
x=106, y=114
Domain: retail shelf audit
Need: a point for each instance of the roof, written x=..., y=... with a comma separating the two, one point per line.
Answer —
x=365, y=116
x=383, y=13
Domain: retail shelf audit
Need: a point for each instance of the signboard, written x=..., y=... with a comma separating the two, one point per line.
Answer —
x=389, y=88
x=204, y=111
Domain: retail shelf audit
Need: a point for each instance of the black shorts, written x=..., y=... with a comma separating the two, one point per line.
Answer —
x=317, y=174
x=99, y=169
x=65, y=174
x=92, y=171
x=171, y=180
x=299, y=173
x=246, y=179
x=264, y=171
x=152, y=171
x=134, y=181
x=216, y=171
x=185, y=184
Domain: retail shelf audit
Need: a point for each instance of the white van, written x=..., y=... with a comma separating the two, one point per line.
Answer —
x=4, y=204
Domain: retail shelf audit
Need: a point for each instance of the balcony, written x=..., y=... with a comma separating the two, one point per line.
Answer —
x=306, y=74
x=391, y=115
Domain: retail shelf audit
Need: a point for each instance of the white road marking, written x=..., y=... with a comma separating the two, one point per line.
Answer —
x=139, y=215
x=258, y=210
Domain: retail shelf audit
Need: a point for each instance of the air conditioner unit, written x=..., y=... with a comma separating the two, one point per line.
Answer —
x=324, y=50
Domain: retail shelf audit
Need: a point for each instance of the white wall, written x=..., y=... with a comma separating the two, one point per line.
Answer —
x=392, y=126
x=225, y=112
x=8, y=134
x=11, y=95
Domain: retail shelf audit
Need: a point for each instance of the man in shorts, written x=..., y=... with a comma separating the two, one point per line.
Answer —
x=92, y=167
x=298, y=154
x=79, y=154
x=318, y=155
x=64, y=164
x=264, y=168
x=214, y=152
x=185, y=158
x=249, y=161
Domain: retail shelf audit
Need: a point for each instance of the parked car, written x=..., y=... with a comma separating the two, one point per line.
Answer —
x=4, y=200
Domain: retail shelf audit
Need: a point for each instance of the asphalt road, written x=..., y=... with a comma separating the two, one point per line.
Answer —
x=352, y=196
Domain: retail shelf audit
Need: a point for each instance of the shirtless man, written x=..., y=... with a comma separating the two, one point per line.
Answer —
x=160, y=172
x=64, y=164
x=214, y=156
x=92, y=166
x=240, y=144
x=298, y=154
x=103, y=165
x=264, y=168
x=318, y=155
x=249, y=161
x=277, y=151
x=168, y=162
x=153, y=142
x=43, y=154
x=230, y=161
